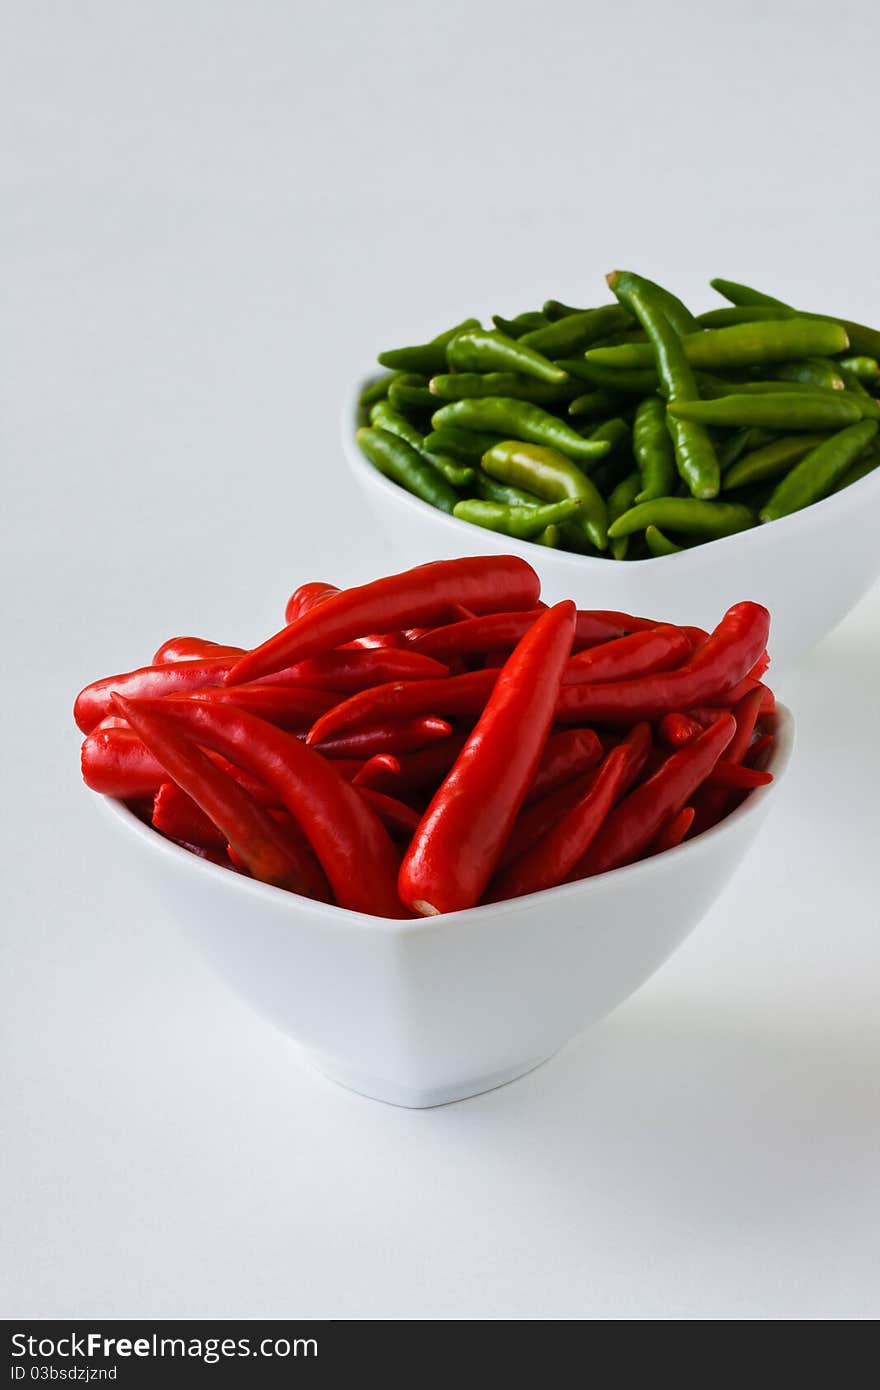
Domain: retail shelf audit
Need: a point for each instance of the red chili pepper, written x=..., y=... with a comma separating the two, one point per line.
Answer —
x=715, y=800
x=93, y=703
x=176, y=815
x=548, y=861
x=351, y=843
x=705, y=715
x=535, y=819
x=289, y=707
x=396, y=815
x=248, y=827
x=307, y=597
x=640, y=817
x=403, y=736
x=465, y=694
x=711, y=672
x=566, y=755
x=415, y=598
x=193, y=649
x=417, y=771
x=673, y=831
x=678, y=729
x=116, y=763
x=379, y=765
x=352, y=669
x=498, y=632
x=461, y=835
x=655, y=649
x=760, y=746
x=738, y=777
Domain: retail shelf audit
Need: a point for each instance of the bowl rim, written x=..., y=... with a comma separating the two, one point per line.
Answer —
x=694, y=557
x=702, y=844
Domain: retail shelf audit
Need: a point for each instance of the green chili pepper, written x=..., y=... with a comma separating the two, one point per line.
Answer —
x=815, y=371
x=553, y=477
x=522, y=523
x=816, y=474
x=771, y=461
x=652, y=446
x=694, y=452
x=742, y=345
x=639, y=382
x=466, y=445
x=383, y=416
x=861, y=339
x=376, y=390
x=744, y=295
x=409, y=392
x=739, y=442
x=869, y=460
x=658, y=544
x=712, y=388
x=783, y=410
x=598, y=402
x=866, y=369
x=574, y=332
x=676, y=312
x=487, y=350
x=458, y=386
x=400, y=462
x=620, y=501
x=522, y=323
x=689, y=515
x=492, y=491
x=550, y=536
x=426, y=358
x=519, y=420
x=856, y=392
x=743, y=313
x=554, y=309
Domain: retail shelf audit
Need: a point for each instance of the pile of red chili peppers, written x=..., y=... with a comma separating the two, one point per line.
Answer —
x=437, y=739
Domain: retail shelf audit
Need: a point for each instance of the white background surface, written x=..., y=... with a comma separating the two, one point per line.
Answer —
x=212, y=216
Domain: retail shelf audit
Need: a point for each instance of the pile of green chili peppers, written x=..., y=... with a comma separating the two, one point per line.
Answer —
x=634, y=429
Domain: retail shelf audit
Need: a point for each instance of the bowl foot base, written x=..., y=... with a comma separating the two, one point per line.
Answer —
x=417, y=1097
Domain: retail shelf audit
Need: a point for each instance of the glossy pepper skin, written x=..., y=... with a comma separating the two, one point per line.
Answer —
x=192, y=649
x=95, y=701
x=861, y=339
x=464, y=694
x=712, y=674
x=348, y=838
x=780, y=410
x=519, y=420
x=250, y=830
x=488, y=350
x=577, y=331
x=741, y=345
x=458, y=386
x=501, y=631
x=642, y=653
x=771, y=460
x=547, y=862
x=521, y=523
x=652, y=447
x=632, y=826
x=416, y=598
x=694, y=452
x=479, y=799
x=426, y=358
x=659, y=544
x=814, y=477
x=688, y=515
x=400, y=462
x=384, y=417
x=550, y=475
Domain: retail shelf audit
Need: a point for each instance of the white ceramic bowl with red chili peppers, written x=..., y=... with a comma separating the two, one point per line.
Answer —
x=423, y=1012
x=809, y=568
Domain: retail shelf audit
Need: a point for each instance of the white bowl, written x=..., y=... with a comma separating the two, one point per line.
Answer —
x=423, y=1012
x=809, y=569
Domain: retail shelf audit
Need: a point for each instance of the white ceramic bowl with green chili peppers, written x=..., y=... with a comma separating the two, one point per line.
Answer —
x=809, y=568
